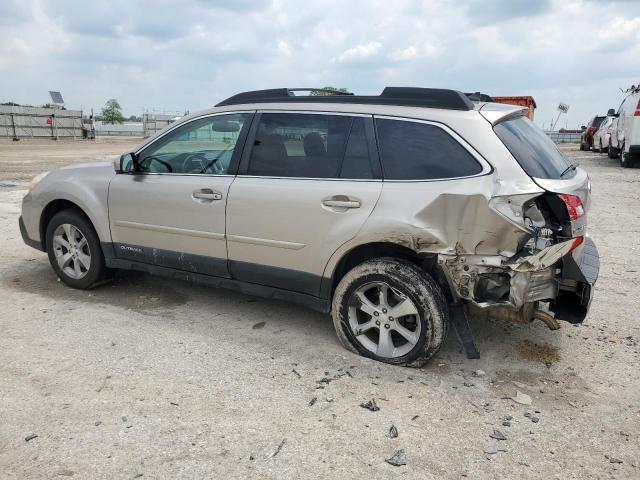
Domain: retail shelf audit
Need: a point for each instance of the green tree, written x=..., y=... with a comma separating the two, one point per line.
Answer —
x=327, y=91
x=112, y=112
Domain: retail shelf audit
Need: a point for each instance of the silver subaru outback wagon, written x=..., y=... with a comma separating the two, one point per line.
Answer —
x=398, y=214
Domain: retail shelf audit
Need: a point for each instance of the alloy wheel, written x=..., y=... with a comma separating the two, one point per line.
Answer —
x=71, y=250
x=384, y=320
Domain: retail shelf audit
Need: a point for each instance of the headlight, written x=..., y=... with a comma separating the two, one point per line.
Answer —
x=36, y=180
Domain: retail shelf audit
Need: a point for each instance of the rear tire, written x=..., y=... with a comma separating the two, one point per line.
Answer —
x=74, y=250
x=601, y=149
x=380, y=287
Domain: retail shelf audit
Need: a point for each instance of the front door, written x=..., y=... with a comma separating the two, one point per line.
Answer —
x=306, y=187
x=172, y=212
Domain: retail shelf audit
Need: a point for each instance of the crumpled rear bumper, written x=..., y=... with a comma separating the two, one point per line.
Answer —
x=579, y=275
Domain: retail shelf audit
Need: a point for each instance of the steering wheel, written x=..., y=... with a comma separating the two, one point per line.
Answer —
x=194, y=163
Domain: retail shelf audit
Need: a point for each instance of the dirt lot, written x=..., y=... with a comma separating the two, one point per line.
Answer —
x=156, y=378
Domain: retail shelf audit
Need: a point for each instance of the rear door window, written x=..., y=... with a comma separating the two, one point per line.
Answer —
x=421, y=151
x=310, y=146
x=536, y=153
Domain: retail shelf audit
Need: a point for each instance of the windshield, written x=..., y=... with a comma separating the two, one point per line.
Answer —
x=533, y=149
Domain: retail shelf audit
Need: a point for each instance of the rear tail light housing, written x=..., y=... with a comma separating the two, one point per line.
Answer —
x=637, y=112
x=574, y=206
x=576, y=243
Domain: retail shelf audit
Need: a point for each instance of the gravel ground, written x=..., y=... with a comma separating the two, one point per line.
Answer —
x=151, y=378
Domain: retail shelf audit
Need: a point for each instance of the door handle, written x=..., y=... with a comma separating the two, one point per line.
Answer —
x=207, y=194
x=341, y=203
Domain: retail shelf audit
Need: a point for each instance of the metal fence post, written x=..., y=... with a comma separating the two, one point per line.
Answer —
x=13, y=123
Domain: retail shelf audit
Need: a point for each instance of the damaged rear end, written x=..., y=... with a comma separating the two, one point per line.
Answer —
x=555, y=266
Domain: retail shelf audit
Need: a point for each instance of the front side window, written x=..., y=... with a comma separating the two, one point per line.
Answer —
x=310, y=146
x=536, y=153
x=203, y=146
x=420, y=151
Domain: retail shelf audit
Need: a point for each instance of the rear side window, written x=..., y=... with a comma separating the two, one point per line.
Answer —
x=310, y=146
x=533, y=149
x=420, y=151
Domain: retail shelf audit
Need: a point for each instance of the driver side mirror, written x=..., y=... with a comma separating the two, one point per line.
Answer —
x=129, y=163
x=611, y=112
x=583, y=128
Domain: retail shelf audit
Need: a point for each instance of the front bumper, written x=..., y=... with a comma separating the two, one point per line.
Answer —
x=25, y=237
x=579, y=275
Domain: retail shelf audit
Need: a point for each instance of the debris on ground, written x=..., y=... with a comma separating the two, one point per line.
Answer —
x=506, y=423
x=393, y=432
x=613, y=459
x=522, y=398
x=398, y=459
x=30, y=437
x=492, y=450
x=497, y=435
x=370, y=405
x=535, y=419
x=277, y=450
x=616, y=340
x=313, y=401
x=296, y=373
x=415, y=417
x=479, y=373
x=259, y=325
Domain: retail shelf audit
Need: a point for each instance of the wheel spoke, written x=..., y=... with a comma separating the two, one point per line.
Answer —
x=410, y=336
x=383, y=291
x=85, y=260
x=81, y=243
x=405, y=307
x=60, y=241
x=76, y=268
x=365, y=304
x=64, y=261
x=385, y=344
x=364, y=327
x=69, y=233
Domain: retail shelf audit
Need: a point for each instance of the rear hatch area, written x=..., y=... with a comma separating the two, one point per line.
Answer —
x=558, y=217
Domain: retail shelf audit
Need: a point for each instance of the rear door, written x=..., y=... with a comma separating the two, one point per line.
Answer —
x=304, y=188
x=172, y=212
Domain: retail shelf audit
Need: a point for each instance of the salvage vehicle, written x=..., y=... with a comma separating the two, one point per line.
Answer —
x=586, y=139
x=625, y=137
x=398, y=214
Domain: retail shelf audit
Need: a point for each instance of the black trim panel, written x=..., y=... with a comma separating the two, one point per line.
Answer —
x=277, y=277
x=25, y=237
x=170, y=259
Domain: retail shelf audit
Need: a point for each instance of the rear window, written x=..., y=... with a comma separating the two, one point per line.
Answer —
x=420, y=151
x=597, y=121
x=533, y=149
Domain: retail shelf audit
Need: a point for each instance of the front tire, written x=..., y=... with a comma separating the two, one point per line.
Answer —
x=391, y=311
x=74, y=250
x=612, y=153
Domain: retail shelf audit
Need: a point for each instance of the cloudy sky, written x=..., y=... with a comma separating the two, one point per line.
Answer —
x=168, y=55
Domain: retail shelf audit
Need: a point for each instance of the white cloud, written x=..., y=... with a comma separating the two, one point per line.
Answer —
x=364, y=50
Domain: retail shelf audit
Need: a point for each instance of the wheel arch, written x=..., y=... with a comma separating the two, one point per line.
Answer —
x=51, y=209
x=428, y=262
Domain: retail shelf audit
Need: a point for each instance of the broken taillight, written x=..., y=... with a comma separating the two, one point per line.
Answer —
x=573, y=204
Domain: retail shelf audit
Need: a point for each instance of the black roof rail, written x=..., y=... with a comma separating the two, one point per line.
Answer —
x=479, y=97
x=400, y=96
